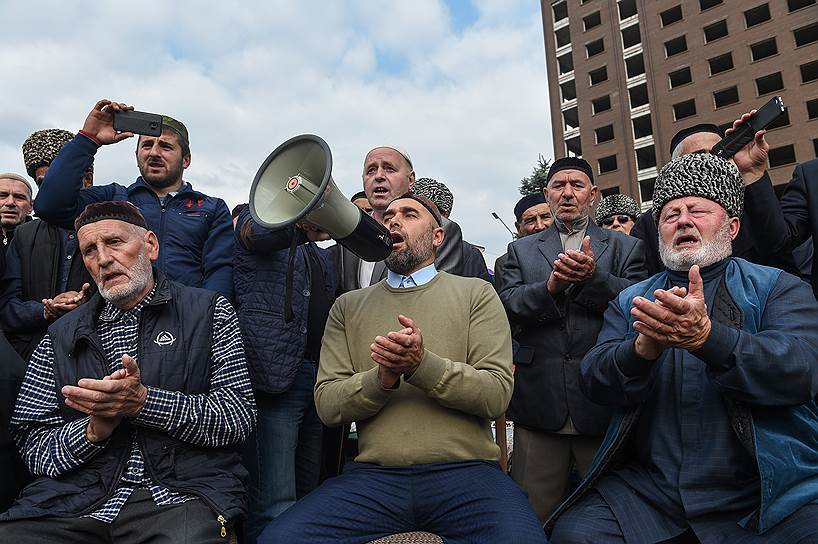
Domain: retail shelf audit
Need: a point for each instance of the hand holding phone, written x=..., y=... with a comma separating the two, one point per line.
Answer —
x=138, y=122
x=742, y=134
x=99, y=123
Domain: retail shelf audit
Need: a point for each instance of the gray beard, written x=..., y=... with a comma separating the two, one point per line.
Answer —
x=709, y=253
x=407, y=260
x=140, y=277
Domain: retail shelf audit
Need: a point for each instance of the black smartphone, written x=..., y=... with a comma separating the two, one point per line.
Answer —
x=761, y=119
x=138, y=122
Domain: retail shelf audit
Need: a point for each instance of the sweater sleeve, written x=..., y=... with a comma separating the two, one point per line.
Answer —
x=482, y=384
x=341, y=394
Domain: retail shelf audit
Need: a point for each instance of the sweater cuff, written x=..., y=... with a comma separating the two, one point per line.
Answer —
x=717, y=351
x=629, y=363
x=91, y=138
x=429, y=372
x=373, y=389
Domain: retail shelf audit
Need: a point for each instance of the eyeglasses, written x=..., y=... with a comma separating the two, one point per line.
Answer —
x=608, y=221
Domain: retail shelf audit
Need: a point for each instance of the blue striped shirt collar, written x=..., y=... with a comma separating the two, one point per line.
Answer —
x=419, y=277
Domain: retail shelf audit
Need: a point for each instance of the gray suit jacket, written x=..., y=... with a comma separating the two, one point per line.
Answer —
x=449, y=259
x=555, y=332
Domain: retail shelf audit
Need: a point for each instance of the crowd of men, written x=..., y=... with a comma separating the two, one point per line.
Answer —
x=172, y=371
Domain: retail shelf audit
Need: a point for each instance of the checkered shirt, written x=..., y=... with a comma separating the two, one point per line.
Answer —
x=51, y=446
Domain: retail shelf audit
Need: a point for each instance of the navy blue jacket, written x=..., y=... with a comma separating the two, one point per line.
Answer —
x=194, y=230
x=764, y=361
x=274, y=347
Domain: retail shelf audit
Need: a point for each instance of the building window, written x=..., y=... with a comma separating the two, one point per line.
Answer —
x=769, y=84
x=782, y=120
x=607, y=164
x=627, y=8
x=707, y=4
x=646, y=189
x=809, y=71
x=573, y=147
x=645, y=157
x=604, y=134
x=563, y=36
x=610, y=191
x=798, y=4
x=631, y=36
x=672, y=15
x=685, y=109
x=565, y=63
x=560, y=11
x=638, y=95
x=571, y=118
x=720, y=64
x=725, y=97
x=568, y=90
x=592, y=20
x=806, y=34
x=635, y=65
x=603, y=103
x=680, y=77
x=595, y=47
x=599, y=75
x=763, y=49
x=757, y=15
x=675, y=46
x=815, y=147
x=642, y=127
x=779, y=156
x=715, y=31
x=812, y=108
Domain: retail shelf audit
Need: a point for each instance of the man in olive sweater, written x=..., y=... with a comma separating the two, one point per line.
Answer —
x=423, y=402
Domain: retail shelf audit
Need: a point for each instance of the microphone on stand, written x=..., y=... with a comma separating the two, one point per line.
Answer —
x=497, y=217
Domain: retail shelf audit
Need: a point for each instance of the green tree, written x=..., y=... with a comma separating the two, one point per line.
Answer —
x=537, y=180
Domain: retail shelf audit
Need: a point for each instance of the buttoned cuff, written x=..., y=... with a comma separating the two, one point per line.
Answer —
x=158, y=409
x=717, y=351
x=76, y=440
x=429, y=372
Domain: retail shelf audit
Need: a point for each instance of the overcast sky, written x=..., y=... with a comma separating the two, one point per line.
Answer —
x=460, y=84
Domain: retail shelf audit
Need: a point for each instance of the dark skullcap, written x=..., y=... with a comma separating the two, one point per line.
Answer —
x=618, y=204
x=425, y=202
x=437, y=192
x=118, y=210
x=356, y=196
x=177, y=126
x=703, y=175
x=571, y=163
x=526, y=202
x=685, y=132
x=42, y=146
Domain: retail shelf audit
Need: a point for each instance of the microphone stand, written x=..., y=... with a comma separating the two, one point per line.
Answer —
x=497, y=217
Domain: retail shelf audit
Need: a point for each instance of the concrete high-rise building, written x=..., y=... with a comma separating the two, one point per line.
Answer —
x=626, y=75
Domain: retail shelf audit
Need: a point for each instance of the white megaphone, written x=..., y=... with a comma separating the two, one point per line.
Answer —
x=295, y=183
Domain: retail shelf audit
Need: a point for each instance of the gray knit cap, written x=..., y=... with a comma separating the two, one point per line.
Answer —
x=42, y=146
x=437, y=192
x=703, y=175
x=617, y=204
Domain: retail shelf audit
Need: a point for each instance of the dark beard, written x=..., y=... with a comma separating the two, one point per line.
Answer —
x=407, y=260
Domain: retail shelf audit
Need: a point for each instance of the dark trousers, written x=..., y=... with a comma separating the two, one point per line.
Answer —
x=468, y=501
x=140, y=521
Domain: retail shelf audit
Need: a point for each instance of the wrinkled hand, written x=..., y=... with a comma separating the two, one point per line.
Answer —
x=399, y=352
x=100, y=122
x=572, y=267
x=65, y=302
x=751, y=160
x=675, y=319
x=119, y=395
x=312, y=232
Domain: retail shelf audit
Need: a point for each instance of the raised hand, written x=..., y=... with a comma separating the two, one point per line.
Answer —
x=65, y=302
x=100, y=122
x=751, y=160
x=399, y=352
x=117, y=395
x=673, y=320
x=572, y=267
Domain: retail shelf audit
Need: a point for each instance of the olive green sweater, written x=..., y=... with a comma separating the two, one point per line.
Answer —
x=443, y=412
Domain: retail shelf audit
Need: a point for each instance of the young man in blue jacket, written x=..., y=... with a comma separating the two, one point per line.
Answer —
x=195, y=230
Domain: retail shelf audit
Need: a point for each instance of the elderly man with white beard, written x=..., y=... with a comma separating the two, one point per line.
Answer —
x=132, y=404
x=713, y=369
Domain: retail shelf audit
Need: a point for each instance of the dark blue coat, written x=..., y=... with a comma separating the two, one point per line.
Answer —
x=273, y=346
x=194, y=230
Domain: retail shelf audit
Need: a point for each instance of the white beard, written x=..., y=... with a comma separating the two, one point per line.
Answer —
x=720, y=247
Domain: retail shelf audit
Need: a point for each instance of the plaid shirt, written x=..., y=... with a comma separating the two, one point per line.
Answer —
x=50, y=446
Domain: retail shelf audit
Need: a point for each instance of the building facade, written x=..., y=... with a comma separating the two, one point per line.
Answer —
x=625, y=75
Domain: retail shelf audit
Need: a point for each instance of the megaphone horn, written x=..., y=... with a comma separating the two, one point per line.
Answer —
x=295, y=183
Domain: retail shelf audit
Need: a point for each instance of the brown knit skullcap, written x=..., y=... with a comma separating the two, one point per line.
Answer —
x=118, y=210
x=42, y=146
